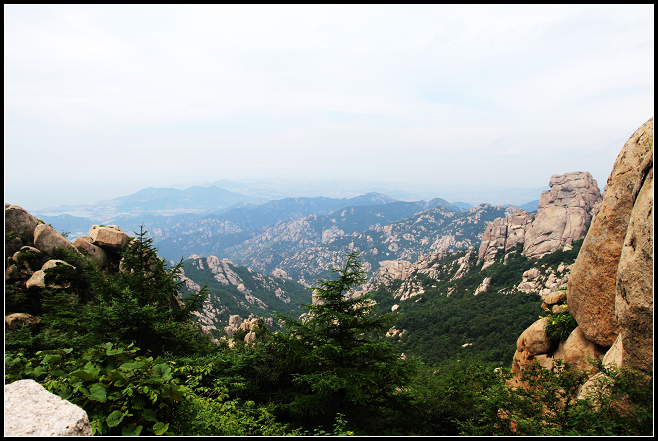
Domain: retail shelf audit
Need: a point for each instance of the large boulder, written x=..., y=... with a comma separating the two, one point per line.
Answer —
x=563, y=214
x=533, y=340
x=634, y=295
x=19, y=221
x=108, y=236
x=46, y=238
x=20, y=319
x=30, y=410
x=592, y=284
x=38, y=279
x=103, y=257
x=577, y=349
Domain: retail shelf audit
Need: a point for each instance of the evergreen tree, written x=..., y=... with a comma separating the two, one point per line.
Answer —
x=337, y=363
x=140, y=303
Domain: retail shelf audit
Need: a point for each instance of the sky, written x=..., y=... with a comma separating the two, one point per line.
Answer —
x=102, y=101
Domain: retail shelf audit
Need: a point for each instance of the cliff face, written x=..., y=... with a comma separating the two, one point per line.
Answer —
x=610, y=289
x=564, y=214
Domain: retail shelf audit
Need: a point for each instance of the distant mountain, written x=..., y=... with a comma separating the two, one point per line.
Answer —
x=213, y=233
x=308, y=248
x=158, y=201
x=463, y=205
x=193, y=199
x=530, y=206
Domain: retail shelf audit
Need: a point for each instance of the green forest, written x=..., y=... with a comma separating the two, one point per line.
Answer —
x=124, y=346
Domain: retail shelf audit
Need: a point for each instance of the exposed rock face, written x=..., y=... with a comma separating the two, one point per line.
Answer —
x=30, y=410
x=46, y=238
x=634, y=294
x=577, y=350
x=503, y=234
x=483, y=286
x=545, y=282
x=19, y=221
x=593, y=280
x=532, y=345
x=38, y=279
x=610, y=288
x=564, y=213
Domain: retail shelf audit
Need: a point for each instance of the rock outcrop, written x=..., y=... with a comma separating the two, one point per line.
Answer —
x=46, y=238
x=108, y=236
x=20, y=222
x=30, y=410
x=503, y=234
x=564, y=214
x=634, y=289
x=593, y=280
x=610, y=288
x=20, y=319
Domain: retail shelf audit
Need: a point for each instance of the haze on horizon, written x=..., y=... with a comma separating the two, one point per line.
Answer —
x=102, y=101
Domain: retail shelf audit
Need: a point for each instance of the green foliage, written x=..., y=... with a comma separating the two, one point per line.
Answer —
x=437, y=329
x=122, y=393
x=208, y=411
x=560, y=325
x=84, y=306
x=619, y=403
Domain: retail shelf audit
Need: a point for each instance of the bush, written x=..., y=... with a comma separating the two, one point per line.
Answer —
x=122, y=393
x=560, y=325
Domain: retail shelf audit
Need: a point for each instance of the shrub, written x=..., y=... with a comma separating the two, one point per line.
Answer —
x=122, y=393
x=560, y=325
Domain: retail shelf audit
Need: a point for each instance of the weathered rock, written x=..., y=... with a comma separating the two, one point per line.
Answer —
x=12, y=246
x=615, y=353
x=554, y=299
x=634, y=294
x=30, y=410
x=84, y=245
x=38, y=279
x=18, y=320
x=503, y=234
x=46, y=238
x=577, y=349
x=250, y=337
x=564, y=214
x=234, y=320
x=592, y=284
x=533, y=340
x=20, y=222
x=110, y=236
x=483, y=286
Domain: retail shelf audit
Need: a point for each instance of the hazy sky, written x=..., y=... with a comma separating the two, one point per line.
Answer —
x=101, y=101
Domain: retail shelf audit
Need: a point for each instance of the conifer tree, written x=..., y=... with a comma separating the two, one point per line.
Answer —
x=341, y=367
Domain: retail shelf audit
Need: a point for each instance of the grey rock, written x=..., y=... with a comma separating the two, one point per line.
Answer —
x=30, y=410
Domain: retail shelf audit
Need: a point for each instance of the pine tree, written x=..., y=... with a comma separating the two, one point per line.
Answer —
x=140, y=303
x=340, y=365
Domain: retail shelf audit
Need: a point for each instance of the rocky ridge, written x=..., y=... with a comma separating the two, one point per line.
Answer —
x=430, y=231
